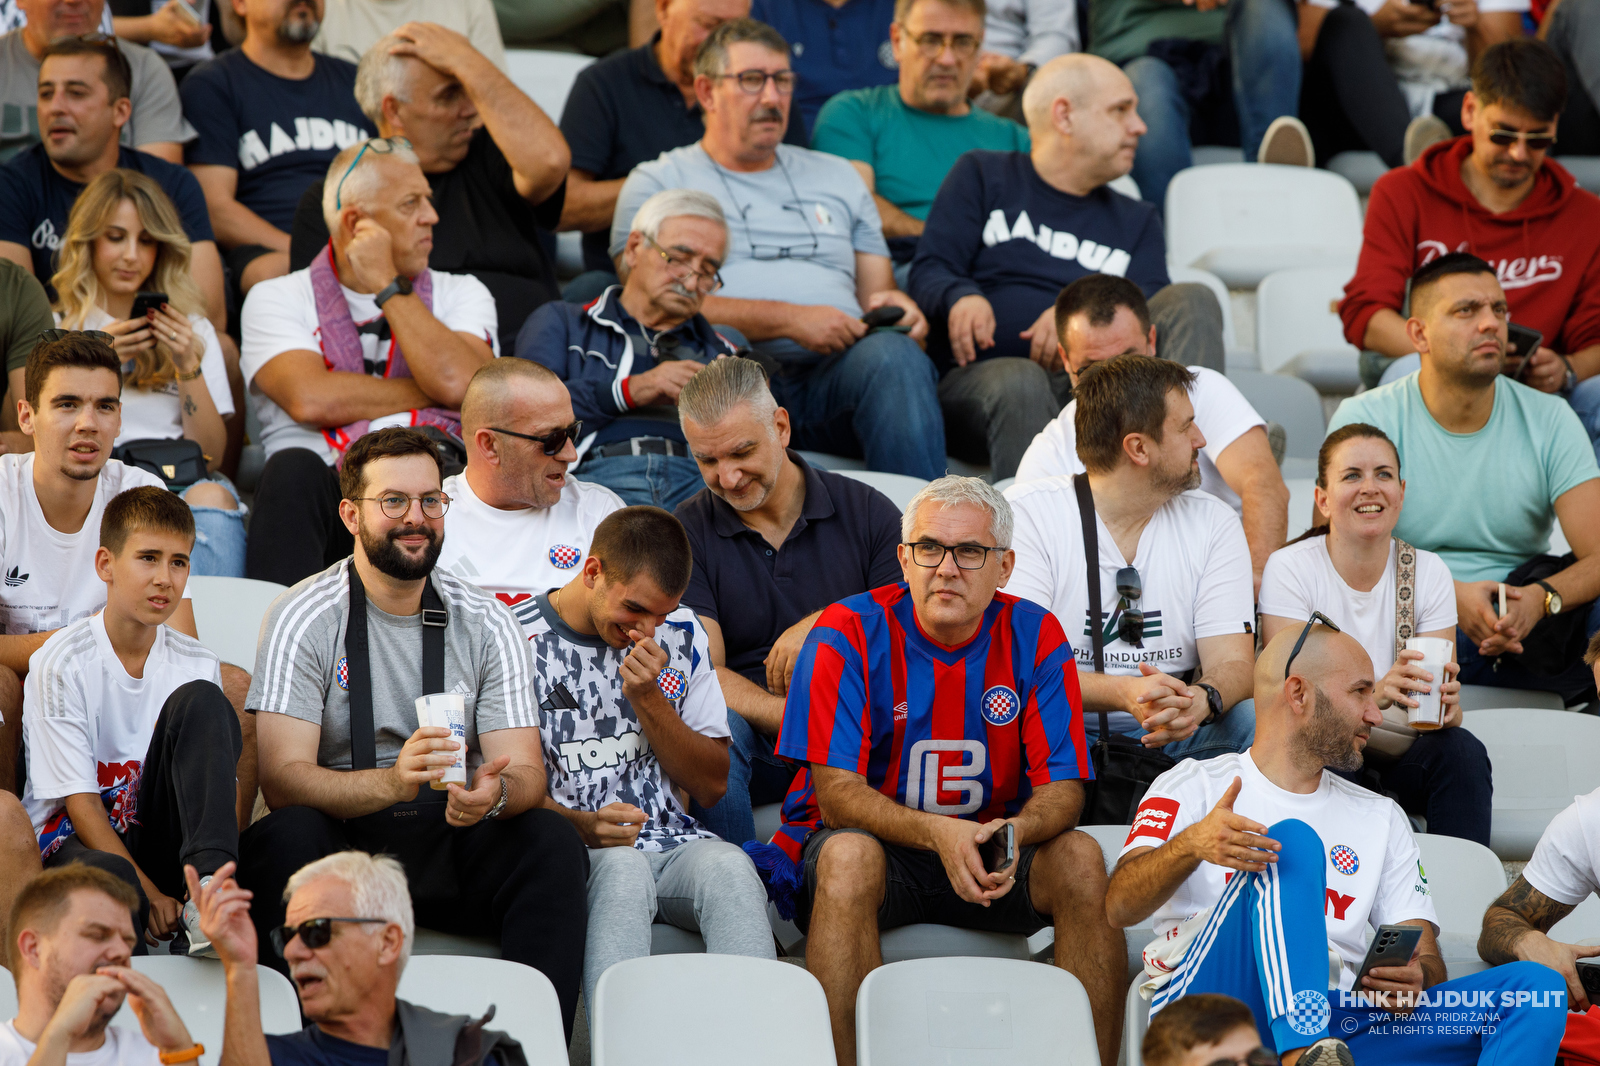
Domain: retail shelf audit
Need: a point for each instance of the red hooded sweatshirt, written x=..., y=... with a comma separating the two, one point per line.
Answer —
x=1546, y=251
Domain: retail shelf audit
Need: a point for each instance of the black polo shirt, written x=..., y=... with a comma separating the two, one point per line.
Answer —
x=842, y=544
x=624, y=111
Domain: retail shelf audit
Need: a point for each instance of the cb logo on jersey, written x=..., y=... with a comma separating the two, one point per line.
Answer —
x=1344, y=859
x=564, y=556
x=925, y=778
x=1000, y=705
x=672, y=683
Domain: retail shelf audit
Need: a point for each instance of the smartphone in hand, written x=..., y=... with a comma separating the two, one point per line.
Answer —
x=1393, y=946
x=146, y=302
x=1000, y=850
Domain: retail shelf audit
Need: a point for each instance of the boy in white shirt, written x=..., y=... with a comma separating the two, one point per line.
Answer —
x=1237, y=857
x=631, y=717
x=127, y=729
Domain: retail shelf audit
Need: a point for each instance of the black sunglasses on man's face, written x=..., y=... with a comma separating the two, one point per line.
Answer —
x=551, y=442
x=315, y=933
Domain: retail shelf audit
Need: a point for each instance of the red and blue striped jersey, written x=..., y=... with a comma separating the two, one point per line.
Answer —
x=967, y=732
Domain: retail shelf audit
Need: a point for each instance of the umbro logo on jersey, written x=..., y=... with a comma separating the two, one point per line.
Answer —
x=14, y=579
x=900, y=711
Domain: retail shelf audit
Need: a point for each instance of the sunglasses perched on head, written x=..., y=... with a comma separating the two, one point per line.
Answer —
x=1316, y=616
x=314, y=933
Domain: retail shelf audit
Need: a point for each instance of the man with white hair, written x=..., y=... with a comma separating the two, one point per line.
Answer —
x=496, y=163
x=365, y=337
x=347, y=940
x=1008, y=230
x=942, y=730
x=625, y=356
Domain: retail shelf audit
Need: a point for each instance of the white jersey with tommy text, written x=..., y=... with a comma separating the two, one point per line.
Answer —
x=48, y=576
x=518, y=554
x=1375, y=874
x=595, y=751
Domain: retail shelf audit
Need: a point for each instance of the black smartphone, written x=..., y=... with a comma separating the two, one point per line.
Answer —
x=1522, y=342
x=1391, y=947
x=886, y=315
x=146, y=302
x=1589, y=974
x=1000, y=850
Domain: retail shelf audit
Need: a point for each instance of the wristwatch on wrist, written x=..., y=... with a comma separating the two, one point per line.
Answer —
x=400, y=286
x=500, y=804
x=1569, y=382
x=1552, y=598
x=181, y=376
x=1213, y=701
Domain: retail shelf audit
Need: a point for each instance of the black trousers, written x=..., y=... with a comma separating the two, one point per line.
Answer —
x=186, y=809
x=295, y=531
x=522, y=880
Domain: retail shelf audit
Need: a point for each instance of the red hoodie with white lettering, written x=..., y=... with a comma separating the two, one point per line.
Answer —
x=1546, y=250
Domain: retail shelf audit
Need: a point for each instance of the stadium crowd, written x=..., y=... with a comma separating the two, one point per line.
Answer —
x=892, y=230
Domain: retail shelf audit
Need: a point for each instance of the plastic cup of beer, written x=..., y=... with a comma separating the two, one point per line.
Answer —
x=449, y=711
x=1436, y=653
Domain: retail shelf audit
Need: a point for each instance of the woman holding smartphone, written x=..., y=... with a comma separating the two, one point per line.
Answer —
x=123, y=238
x=1348, y=570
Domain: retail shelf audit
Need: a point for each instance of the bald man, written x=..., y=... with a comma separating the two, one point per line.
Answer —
x=1234, y=858
x=1009, y=230
x=518, y=523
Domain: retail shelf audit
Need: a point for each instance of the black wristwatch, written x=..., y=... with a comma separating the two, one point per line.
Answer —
x=1214, y=701
x=400, y=286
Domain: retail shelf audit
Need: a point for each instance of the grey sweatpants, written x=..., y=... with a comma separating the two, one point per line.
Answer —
x=706, y=886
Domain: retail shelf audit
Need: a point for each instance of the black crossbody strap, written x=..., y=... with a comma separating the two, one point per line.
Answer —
x=1091, y=555
x=358, y=665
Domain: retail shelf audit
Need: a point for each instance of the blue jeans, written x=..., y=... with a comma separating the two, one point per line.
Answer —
x=1233, y=732
x=877, y=400
x=1264, y=54
x=755, y=777
x=219, y=537
x=656, y=480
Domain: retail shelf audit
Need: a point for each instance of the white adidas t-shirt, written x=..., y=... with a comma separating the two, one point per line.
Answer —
x=1375, y=875
x=123, y=1047
x=87, y=724
x=518, y=554
x=1193, y=563
x=1300, y=579
x=154, y=414
x=1566, y=864
x=280, y=316
x=48, y=576
x=1220, y=410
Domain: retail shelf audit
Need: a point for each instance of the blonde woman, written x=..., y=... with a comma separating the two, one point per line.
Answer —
x=124, y=237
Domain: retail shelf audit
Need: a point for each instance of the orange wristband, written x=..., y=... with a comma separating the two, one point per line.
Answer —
x=187, y=1055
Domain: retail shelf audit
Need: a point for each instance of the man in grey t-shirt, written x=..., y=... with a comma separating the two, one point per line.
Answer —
x=485, y=859
x=801, y=226
x=157, y=124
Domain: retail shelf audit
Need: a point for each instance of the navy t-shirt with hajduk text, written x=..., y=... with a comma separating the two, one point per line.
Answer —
x=36, y=201
x=998, y=230
x=280, y=134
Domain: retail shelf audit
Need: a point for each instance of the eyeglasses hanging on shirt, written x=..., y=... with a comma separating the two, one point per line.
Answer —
x=768, y=252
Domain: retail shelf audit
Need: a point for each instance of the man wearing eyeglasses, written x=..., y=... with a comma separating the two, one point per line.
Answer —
x=344, y=657
x=626, y=356
x=1495, y=194
x=805, y=258
x=1265, y=874
x=936, y=718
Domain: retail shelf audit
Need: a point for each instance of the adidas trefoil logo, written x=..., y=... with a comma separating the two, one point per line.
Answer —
x=13, y=579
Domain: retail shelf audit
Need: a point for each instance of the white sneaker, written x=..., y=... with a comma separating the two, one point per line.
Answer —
x=1330, y=1051
x=1288, y=143
x=199, y=945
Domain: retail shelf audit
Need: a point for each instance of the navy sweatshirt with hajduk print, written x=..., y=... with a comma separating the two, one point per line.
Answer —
x=998, y=231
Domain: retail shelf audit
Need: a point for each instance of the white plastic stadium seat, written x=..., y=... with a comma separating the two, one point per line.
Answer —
x=1302, y=498
x=767, y=1012
x=1586, y=168
x=1464, y=878
x=1542, y=760
x=1244, y=221
x=547, y=77
x=1291, y=403
x=1362, y=169
x=898, y=487
x=199, y=992
x=1483, y=698
x=973, y=1012
x=836, y=463
x=1211, y=155
x=228, y=612
x=1181, y=275
x=526, y=1007
x=433, y=942
x=1298, y=330
x=1135, y=1020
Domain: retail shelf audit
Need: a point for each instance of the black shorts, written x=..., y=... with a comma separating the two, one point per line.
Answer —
x=918, y=890
x=241, y=256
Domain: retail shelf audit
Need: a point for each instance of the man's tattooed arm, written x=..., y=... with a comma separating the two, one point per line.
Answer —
x=1519, y=910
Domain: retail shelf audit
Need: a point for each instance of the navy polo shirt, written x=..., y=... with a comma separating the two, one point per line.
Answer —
x=832, y=48
x=842, y=544
x=624, y=111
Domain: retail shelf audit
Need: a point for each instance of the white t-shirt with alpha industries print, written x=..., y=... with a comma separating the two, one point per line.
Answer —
x=518, y=554
x=1375, y=875
x=595, y=751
